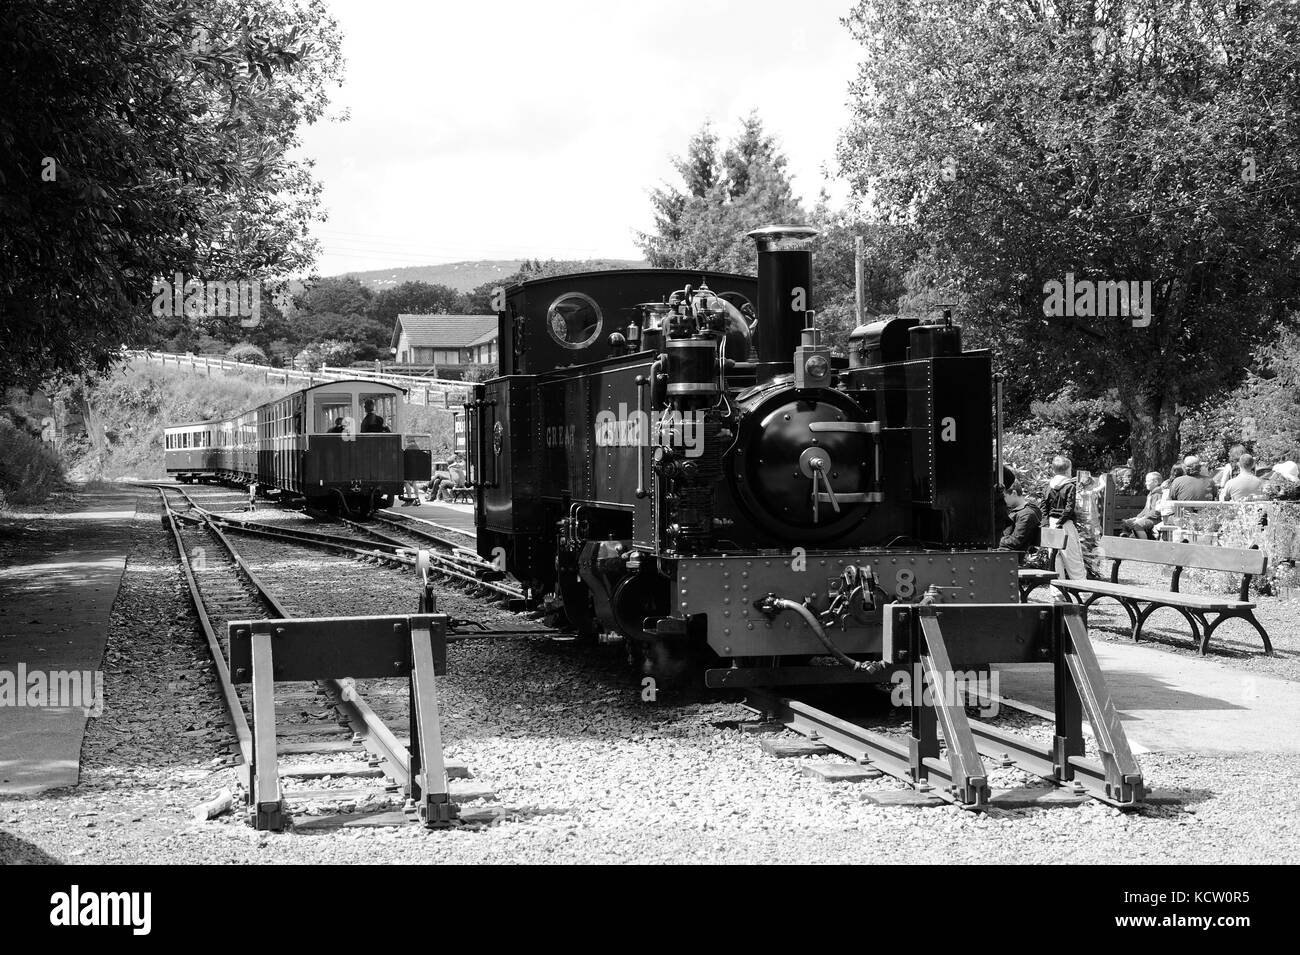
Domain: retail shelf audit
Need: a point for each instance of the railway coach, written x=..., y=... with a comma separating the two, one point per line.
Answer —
x=189, y=454
x=339, y=445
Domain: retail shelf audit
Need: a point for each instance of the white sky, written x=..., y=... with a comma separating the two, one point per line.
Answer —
x=511, y=129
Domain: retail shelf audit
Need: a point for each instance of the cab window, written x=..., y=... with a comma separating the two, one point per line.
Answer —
x=378, y=412
x=333, y=411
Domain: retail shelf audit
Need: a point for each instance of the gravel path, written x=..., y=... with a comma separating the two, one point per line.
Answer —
x=589, y=772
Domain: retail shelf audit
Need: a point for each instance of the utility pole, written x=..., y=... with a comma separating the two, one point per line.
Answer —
x=858, y=279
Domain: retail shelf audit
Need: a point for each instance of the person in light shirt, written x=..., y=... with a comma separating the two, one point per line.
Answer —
x=1245, y=486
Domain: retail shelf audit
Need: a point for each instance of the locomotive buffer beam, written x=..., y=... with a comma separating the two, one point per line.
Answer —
x=980, y=634
x=264, y=652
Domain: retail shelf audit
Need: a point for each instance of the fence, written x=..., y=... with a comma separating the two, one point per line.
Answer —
x=435, y=392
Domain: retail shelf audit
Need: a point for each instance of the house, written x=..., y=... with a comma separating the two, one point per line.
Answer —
x=445, y=344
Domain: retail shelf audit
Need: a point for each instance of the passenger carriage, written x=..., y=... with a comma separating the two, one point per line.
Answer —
x=190, y=451
x=324, y=443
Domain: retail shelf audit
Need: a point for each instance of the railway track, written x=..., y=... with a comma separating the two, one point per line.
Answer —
x=401, y=540
x=224, y=588
x=454, y=561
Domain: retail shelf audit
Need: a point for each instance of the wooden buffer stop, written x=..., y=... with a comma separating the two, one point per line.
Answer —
x=266, y=652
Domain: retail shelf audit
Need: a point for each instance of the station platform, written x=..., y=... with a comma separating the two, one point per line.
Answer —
x=1177, y=703
x=458, y=516
x=57, y=589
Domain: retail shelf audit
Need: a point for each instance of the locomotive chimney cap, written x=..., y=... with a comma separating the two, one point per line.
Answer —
x=770, y=237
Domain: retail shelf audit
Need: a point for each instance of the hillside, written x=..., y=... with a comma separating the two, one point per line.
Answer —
x=462, y=276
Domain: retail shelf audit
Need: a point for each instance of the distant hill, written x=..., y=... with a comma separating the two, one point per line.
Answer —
x=463, y=276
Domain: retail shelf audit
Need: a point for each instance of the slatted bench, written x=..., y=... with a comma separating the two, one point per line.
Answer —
x=1030, y=578
x=1141, y=602
x=1116, y=508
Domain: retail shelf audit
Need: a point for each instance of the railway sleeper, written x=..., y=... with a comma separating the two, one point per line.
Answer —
x=984, y=633
x=332, y=649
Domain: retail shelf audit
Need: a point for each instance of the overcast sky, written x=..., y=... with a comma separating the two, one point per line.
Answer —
x=510, y=129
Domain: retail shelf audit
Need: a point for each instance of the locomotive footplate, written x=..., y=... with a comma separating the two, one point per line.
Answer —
x=931, y=641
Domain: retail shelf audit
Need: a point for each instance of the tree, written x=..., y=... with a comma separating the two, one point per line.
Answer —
x=142, y=138
x=725, y=197
x=339, y=294
x=834, y=293
x=416, y=298
x=1136, y=140
x=369, y=338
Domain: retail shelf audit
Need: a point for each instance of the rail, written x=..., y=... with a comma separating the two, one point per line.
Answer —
x=449, y=393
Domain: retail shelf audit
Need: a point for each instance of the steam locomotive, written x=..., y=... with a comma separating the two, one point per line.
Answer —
x=676, y=457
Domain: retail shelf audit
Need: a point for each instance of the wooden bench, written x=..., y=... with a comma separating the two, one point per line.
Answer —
x=1141, y=602
x=1117, y=508
x=1031, y=578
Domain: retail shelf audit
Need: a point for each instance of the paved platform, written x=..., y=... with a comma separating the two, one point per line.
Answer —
x=459, y=516
x=57, y=588
x=1174, y=703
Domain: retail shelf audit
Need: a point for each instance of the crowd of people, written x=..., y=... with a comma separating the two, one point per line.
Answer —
x=1072, y=503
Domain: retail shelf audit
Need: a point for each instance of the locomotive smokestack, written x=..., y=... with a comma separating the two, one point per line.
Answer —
x=784, y=286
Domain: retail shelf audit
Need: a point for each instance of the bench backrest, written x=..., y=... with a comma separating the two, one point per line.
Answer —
x=1116, y=508
x=1236, y=560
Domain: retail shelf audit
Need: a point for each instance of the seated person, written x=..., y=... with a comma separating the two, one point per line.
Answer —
x=338, y=427
x=444, y=479
x=372, y=423
x=1024, y=518
x=1144, y=523
x=1193, y=485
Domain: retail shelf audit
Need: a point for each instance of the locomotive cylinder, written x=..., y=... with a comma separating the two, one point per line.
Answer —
x=784, y=281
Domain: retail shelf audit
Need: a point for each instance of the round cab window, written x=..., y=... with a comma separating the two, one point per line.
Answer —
x=574, y=320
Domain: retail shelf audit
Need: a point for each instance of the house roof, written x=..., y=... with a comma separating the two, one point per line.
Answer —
x=445, y=331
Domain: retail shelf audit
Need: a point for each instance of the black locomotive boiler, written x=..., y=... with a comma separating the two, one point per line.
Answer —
x=665, y=449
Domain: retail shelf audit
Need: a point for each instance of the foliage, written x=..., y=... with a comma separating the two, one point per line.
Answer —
x=1030, y=453
x=834, y=284
x=1263, y=412
x=29, y=470
x=137, y=400
x=167, y=127
x=248, y=353
x=330, y=352
x=726, y=195
x=1094, y=431
x=417, y=298
x=1138, y=140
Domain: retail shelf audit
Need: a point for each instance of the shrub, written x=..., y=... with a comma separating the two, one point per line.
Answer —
x=247, y=352
x=1030, y=453
x=29, y=470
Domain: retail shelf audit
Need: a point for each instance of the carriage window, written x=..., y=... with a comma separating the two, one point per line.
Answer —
x=574, y=320
x=329, y=409
x=378, y=412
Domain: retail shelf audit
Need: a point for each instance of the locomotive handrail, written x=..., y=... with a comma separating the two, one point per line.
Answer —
x=641, y=384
